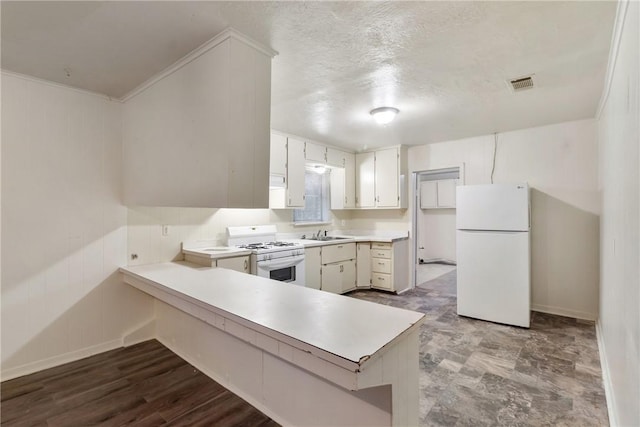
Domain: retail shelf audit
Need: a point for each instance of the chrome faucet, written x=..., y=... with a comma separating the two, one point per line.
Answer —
x=319, y=234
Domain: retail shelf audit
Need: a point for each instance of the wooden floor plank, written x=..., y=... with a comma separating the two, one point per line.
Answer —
x=142, y=385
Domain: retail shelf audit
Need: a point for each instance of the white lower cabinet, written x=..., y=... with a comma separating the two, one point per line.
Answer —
x=339, y=277
x=312, y=267
x=238, y=263
x=338, y=268
x=363, y=265
x=388, y=265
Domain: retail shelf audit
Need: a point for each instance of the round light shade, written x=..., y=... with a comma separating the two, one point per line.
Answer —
x=384, y=115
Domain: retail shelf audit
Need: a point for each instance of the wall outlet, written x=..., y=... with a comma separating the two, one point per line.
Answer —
x=165, y=230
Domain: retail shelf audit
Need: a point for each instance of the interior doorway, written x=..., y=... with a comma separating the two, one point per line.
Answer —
x=434, y=222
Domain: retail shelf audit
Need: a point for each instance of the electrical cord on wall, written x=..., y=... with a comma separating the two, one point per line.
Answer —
x=495, y=149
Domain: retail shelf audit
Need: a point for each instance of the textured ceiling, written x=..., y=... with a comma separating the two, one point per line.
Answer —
x=443, y=64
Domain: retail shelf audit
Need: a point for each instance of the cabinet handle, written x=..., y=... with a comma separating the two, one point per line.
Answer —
x=339, y=246
x=378, y=199
x=381, y=278
x=341, y=268
x=380, y=263
x=245, y=264
x=345, y=200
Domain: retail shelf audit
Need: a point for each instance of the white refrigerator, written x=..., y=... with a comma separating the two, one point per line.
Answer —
x=493, y=252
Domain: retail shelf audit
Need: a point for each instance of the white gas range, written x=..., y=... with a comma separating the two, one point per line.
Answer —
x=275, y=260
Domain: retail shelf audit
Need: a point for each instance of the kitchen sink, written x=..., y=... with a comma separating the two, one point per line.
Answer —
x=327, y=238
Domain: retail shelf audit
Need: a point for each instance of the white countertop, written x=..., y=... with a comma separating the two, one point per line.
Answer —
x=217, y=252
x=346, y=327
x=388, y=237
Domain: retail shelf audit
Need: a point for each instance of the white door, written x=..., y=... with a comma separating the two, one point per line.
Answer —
x=295, y=173
x=387, y=175
x=494, y=276
x=365, y=180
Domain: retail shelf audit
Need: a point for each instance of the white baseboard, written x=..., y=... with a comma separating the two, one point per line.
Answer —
x=61, y=359
x=223, y=381
x=606, y=378
x=144, y=332
x=560, y=311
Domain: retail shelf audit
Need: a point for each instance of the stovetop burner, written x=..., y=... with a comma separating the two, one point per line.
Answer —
x=268, y=245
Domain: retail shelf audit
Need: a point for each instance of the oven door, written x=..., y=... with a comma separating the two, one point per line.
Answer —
x=288, y=269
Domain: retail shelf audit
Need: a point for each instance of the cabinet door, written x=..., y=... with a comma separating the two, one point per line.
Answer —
x=336, y=157
x=348, y=274
x=386, y=178
x=312, y=268
x=365, y=180
x=278, y=153
x=295, y=173
x=332, y=278
x=338, y=197
x=315, y=153
x=447, y=193
x=363, y=265
x=349, y=180
x=428, y=194
x=240, y=263
x=338, y=252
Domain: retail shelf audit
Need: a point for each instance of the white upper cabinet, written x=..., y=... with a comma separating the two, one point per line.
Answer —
x=315, y=153
x=365, y=180
x=199, y=135
x=438, y=194
x=278, y=159
x=387, y=176
x=336, y=157
x=295, y=173
x=287, y=176
x=381, y=178
x=343, y=181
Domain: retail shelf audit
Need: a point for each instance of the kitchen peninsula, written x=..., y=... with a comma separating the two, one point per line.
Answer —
x=302, y=356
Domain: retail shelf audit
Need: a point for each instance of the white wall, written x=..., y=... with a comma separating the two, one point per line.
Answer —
x=145, y=228
x=619, y=138
x=560, y=163
x=436, y=233
x=65, y=226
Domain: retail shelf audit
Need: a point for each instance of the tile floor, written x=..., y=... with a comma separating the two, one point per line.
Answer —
x=428, y=272
x=476, y=373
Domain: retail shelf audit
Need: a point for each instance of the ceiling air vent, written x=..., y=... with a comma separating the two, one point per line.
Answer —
x=521, y=83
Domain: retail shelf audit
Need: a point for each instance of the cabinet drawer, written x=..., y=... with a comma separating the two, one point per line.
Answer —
x=337, y=253
x=381, y=253
x=380, y=245
x=380, y=280
x=381, y=265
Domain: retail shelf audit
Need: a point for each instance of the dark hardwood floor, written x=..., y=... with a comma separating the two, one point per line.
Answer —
x=143, y=385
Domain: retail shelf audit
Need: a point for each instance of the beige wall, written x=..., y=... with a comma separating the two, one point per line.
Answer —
x=560, y=163
x=619, y=137
x=64, y=227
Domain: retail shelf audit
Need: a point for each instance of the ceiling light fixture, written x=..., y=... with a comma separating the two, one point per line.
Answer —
x=384, y=115
x=319, y=169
